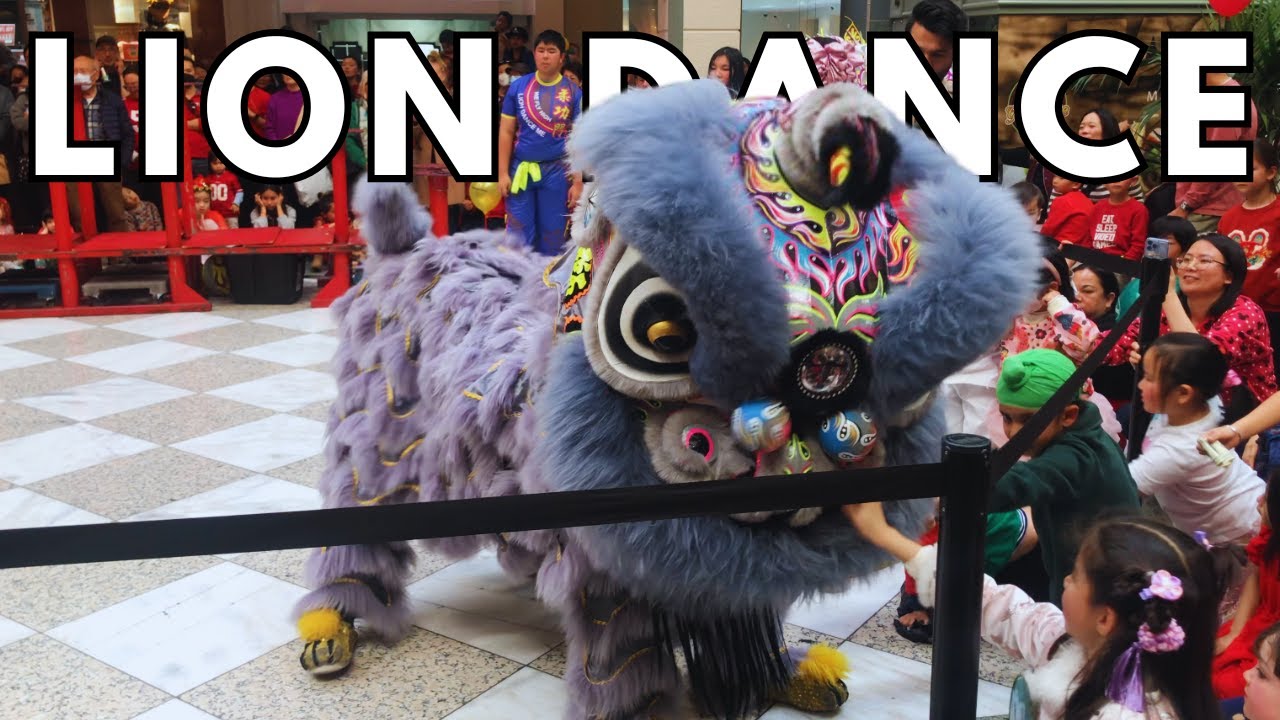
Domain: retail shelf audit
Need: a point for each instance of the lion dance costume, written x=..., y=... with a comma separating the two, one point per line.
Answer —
x=742, y=297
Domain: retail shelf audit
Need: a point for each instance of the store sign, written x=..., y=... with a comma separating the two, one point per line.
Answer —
x=8, y=33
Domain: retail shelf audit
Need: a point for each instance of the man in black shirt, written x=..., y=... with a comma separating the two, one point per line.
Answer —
x=516, y=52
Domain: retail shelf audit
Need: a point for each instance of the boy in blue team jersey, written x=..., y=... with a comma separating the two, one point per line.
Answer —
x=537, y=115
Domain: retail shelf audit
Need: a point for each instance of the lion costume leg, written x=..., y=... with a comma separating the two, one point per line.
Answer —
x=373, y=459
x=617, y=667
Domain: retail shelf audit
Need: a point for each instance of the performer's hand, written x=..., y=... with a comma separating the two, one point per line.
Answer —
x=504, y=184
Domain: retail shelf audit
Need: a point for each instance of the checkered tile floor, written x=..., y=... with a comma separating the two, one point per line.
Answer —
x=116, y=419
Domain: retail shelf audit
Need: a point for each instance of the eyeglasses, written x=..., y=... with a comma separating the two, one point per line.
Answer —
x=1194, y=261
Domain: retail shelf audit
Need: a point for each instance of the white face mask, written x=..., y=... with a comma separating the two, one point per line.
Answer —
x=84, y=81
x=504, y=80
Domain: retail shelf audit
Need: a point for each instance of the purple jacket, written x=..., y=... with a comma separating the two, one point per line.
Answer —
x=282, y=114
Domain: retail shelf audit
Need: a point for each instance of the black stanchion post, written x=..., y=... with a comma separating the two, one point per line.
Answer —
x=966, y=461
x=1155, y=269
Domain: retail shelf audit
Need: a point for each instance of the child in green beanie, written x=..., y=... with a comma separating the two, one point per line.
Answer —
x=1075, y=471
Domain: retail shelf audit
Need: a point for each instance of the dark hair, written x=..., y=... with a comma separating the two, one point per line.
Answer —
x=1184, y=358
x=106, y=41
x=505, y=14
x=1266, y=151
x=551, y=37
x=575, y=67
x=1271, y=553
x=1236, y=265
x=1026, y=192
x=737, y=67
x=1110, y=284
x=518, y=69
x=1119, y=556
x=1107, y=119
x=1180, y=229
x=1061, y=268
x=277, y=189
x=1270, y=636
x=940, y=17
x=359, y=62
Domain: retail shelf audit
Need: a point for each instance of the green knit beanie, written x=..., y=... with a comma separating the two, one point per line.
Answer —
x=1030, y=378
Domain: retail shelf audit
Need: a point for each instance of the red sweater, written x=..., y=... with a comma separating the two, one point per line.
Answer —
x=1119, y=229
x=1258, y=232
x=1068, y=220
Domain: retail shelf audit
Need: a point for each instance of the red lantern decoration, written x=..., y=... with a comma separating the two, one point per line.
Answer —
x=1228, y=8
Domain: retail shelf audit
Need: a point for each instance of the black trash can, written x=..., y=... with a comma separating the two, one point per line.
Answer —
x=266, y=279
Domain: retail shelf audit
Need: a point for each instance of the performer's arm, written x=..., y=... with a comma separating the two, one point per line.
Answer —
x=506, y=146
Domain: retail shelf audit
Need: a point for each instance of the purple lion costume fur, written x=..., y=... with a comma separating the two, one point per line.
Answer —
x=742, y=297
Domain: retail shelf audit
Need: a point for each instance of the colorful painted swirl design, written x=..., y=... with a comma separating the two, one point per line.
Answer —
x=838, y=263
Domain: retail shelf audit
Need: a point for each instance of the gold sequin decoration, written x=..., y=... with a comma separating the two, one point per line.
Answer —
x=427, y=290
x=403, y=453
x=355, y=490
x=391, y=404
x=586, y=672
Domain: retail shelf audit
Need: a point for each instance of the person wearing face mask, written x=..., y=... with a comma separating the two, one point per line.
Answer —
x=105, y=119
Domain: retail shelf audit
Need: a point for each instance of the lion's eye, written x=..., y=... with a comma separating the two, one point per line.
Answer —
x=699, y=441
x=644, y=326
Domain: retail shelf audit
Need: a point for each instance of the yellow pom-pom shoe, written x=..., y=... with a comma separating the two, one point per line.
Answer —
x=818, y=685
x=330, y=641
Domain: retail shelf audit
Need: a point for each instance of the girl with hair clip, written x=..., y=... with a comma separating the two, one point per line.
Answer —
x=1134, y=637
x=1259, y=606
x=1182, y=376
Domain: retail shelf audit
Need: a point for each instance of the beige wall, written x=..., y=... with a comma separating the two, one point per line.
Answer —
x=592, y=15
x=708, y=26
x=242, y=17
x=547, y=14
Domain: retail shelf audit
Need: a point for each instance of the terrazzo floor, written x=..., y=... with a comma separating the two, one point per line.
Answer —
x=114, y=419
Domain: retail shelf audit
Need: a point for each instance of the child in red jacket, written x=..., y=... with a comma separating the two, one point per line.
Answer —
x=1068, y=220
x=1118, y=225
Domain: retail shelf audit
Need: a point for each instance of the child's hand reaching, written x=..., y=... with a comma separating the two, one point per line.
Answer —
x=921, y=561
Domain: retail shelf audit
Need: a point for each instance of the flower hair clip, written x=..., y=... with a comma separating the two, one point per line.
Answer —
x=1164, y=585
x=1126, y=685
x=1202, y=539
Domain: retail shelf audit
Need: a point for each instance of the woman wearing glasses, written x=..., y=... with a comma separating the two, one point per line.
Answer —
x=1211, y=274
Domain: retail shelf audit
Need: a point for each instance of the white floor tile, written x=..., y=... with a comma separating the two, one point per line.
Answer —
x=167, y=325
x=478, y=586
x=174, y=710
x=261, y=445
x=254, y=494
x=12, y=331
x=13, y=358
x=283, y=392
x=300, y=351
x=889, y=687
x=313, y=320
x=21, y=508
x=142, y=357
x=105, y=397
x=63, y=450
x=517, y=642
x=11, y=631
x=188, y=632
x=841, y=615
x=528, y=693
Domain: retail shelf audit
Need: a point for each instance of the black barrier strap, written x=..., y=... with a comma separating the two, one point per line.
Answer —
x=104, y=542
x=1007, y=456
x=1102, y=261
